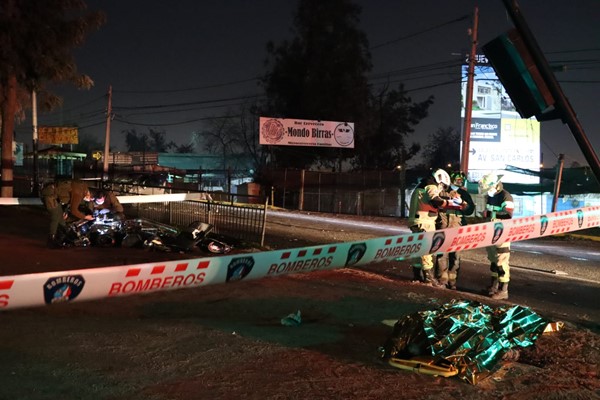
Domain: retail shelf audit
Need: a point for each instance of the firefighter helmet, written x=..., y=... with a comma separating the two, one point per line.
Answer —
x=441, y=176
x=489, y=183
x=455, y=175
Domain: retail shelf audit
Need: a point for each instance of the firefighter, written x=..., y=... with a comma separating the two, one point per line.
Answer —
x=62, y=199
x=499, y=206
x=448, y=264
x=425, y=204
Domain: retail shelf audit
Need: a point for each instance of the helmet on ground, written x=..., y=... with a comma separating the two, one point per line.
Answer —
x=441, y=176
x=489, y=183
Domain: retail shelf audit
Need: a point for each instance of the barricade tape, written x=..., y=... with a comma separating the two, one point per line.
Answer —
x=149, y=198
x=47, y=288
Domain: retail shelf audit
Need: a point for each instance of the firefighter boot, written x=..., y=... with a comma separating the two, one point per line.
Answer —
x=493, y=288
x=417, y=274
x=502, y=293
x=430, y=280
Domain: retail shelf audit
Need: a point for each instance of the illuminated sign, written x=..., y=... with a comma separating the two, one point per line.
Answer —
x=58, y=135
x=499, y=136
x=301, y=132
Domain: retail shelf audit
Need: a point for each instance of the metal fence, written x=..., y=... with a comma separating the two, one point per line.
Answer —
x=358, y=193
x=245, y=223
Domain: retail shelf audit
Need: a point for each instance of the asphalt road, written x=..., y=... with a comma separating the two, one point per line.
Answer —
x=558, y=277
x=551, y=276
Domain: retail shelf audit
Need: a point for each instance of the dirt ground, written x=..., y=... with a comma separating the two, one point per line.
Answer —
x=227, y=341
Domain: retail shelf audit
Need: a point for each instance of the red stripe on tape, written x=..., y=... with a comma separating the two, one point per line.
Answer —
x=301, y=253
x=6, y=285
x=316, y=252
x=133, y=272
x=285, y=255
x=159, y=269
x=388, y=242
x=332, y=249
x=399, y=240
x=181, y=267
x=203, y=264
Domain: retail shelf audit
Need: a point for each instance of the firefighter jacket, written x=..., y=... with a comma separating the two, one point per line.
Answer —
x=424, y=204
x=499, y=206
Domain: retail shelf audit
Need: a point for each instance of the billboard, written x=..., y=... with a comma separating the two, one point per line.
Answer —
x=58, y=135
x=499, y=136
x=302, y=132
x=17, y=153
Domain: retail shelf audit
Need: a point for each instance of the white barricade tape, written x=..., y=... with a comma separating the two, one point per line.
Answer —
x=90, y=284
x=150, y=198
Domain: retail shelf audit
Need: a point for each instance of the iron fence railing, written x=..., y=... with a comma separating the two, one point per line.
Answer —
x=245, y=223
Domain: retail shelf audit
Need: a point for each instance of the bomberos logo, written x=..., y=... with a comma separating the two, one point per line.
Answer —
x=63, y=288
x=438, y=240
x=580, y=218
x=238, y=268
x=498, y=231
x=543, y=224
x=355, y=253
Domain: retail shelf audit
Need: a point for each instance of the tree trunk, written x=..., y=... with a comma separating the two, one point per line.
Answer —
x=9, y=110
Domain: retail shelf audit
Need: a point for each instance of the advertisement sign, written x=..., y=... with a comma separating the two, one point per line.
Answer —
x=301, y=132
x=17, y=153
x=58, y=135
x=499, y=136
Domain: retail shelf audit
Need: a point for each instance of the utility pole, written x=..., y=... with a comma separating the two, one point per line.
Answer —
x=464, y=160
x=559, y=171
x=107, y=136
x=562, y=105
x=34, y=121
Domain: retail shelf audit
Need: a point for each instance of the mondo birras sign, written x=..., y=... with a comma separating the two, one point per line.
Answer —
x=302, y=132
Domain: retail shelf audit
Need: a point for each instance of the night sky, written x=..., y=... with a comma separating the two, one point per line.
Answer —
x=173, y=64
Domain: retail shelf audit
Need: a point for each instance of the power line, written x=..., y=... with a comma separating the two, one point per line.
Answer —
x=176, y=123
x=218, y=85
x=145, y=107
x=462, y=18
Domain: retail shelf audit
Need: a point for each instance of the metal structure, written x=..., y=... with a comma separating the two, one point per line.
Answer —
x=241, y=222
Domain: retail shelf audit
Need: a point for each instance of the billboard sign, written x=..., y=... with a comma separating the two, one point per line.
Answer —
x=58, y=134
x=302, y=132
x=499, y=136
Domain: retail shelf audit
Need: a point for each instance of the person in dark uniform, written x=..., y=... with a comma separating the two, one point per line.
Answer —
x=63, y=199
x=106, y=202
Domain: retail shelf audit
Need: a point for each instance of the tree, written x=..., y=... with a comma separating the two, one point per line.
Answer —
x=222, y=136
x=184, y=148
x=319, y=75
x=154, y=140
x=36, y=41
x=442, y=149
x=393, y=115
